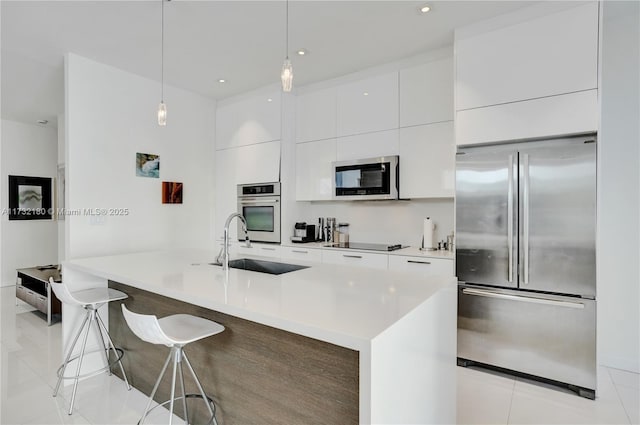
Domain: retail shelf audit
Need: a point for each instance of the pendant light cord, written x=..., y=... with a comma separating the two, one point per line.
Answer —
x=162, y=54
x=287, y=31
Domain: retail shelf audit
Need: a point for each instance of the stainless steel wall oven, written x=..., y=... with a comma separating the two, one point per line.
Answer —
x=260, y=206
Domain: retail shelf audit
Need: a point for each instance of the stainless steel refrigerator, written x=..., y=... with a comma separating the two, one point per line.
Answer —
x=525, y=259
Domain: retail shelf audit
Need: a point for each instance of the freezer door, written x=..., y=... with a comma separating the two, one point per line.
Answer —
x=486, y=216
x=558, y=216
x=548, y=336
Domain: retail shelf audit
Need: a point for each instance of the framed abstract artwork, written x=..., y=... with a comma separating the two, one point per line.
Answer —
x=171, y=193
x=30, y=198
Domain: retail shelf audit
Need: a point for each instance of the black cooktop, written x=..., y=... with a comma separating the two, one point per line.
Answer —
x=366, y=246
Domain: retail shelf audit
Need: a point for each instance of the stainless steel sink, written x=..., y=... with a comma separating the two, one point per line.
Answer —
x=270, y=267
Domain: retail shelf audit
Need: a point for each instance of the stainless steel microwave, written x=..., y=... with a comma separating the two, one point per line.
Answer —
x=366, y=179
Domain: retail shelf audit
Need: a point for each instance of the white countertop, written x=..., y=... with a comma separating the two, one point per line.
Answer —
x=409, y=251
x=346, y=306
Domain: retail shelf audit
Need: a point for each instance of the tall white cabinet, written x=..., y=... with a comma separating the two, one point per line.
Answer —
x=408, y=112
x=535, y=76
x=248, y=147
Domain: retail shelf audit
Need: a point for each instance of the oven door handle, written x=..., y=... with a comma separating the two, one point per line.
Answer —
x=258, y=201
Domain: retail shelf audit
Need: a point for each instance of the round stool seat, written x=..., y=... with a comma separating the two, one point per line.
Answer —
x=181, y=329
x=96, y=296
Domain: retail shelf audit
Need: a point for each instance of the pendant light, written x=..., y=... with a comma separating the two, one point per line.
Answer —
x=287, y=69
x=162, y=108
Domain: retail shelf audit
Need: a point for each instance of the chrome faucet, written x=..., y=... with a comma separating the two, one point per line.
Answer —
x=223, y=255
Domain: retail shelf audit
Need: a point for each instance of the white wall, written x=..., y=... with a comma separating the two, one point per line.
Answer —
x=111, y=115
x=61, y=224
x=27, y=150
x=618, y=228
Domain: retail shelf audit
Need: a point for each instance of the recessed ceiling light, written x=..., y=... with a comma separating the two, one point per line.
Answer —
x=365, y=93
x=425, y=9
x=302, y=52
x=269, y=100
x=43, y=122
x=222, y=80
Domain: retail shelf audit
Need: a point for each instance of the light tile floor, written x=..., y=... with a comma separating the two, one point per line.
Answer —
x=30, y=354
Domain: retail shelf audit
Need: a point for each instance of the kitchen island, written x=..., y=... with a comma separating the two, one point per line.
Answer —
x=326, y=344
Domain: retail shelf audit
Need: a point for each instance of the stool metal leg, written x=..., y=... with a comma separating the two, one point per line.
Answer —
x=204, y=395
x=155, y=388
x=175, y=352
x=184, y=394
x=104, y=346
x=84, y=346
x=113, y=347
x=66, y=360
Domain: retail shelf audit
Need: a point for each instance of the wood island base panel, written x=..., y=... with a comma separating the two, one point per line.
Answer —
x=255, y=373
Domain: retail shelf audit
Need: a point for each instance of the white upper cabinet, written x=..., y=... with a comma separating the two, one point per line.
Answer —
x=369, y=145
x=426, y=93
x=548, y=55
x=368, y=105
x=250, y=120
x=316, y=115
x=258, y=163
x=570, y=113
x=313, y=170
x=427, y=161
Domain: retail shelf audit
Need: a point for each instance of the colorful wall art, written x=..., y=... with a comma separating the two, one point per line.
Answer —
x=147, y=165
x=171, y=193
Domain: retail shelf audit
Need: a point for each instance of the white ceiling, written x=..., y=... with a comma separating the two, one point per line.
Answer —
x=241, y=41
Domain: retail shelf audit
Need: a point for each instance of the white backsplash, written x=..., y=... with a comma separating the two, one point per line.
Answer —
x=382, y=221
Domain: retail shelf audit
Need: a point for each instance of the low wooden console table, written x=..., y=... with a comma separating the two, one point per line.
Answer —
x=32, y=287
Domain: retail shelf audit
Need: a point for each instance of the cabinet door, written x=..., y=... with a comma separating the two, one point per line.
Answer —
x=301, y=253
x=258, y=163
x=426, y=93
x=368, y=105
x=549, y=55
x=360, y=259
x=316, y=115
x=226, y=190
x=424, y=266
x=313, y=170
x=251, y=120
x=370, y=145
x=571, y=113
x=427, y=161
x=260, y=250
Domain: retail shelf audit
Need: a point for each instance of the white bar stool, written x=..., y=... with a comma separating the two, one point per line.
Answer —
x=91, y=300
x=174, y=331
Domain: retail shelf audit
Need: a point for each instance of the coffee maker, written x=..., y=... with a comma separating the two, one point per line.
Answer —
x=303, y=232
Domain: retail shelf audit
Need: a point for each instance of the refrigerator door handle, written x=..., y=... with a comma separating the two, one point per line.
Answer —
x=510, y=218
x=525, y=216
x=538, y=299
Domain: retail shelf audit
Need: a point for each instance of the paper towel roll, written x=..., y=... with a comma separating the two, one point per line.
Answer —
x=429, y=227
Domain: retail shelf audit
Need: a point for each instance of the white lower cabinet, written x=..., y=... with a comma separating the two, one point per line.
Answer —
x=362, y=259
x=421, y=265
x=301, y=253
x=261, y=250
